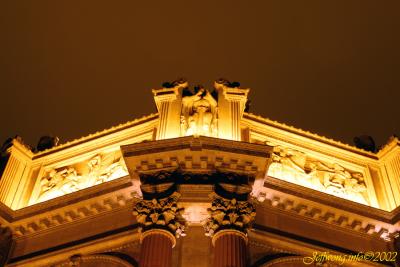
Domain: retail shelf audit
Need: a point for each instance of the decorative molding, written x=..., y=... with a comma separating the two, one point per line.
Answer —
x=98, y=134
x=308, y=134
x=87, y=210
x=334, y=217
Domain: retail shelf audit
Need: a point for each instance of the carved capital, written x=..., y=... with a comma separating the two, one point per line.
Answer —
x=161, y=214
x=229, y=214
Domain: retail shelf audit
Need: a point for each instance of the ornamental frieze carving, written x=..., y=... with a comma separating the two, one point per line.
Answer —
x=99, y=169
x=161, y=214
x=297, y=167
x=229, y=214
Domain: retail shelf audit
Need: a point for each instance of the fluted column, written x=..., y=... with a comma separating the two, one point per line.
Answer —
x=230, y=248
x=156, y=250
x=228, y=225
x=160, y=223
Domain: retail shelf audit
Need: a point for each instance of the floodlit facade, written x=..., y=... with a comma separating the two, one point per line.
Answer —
x=200, y=183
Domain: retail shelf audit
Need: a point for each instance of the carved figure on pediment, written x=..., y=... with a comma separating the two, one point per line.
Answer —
x=58, y=183
x=199, y=114
x=288, y=163
x=67, y=180
x=113, y=171
x=295, y=166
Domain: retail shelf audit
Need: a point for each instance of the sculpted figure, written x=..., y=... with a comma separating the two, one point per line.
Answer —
x=113, y=171
x=58, y=183
x=199, y=114
x=67, y=180
x=332, y=178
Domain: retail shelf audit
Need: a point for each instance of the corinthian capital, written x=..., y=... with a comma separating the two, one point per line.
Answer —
x=161, y=214
x=229, y=214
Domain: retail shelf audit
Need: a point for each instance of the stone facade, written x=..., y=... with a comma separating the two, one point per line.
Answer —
x=200, y=183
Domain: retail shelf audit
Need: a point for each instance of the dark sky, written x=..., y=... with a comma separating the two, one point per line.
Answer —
x=70, y=68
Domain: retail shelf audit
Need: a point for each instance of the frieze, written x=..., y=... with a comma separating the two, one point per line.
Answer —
x=299, y=168
x=65, y=180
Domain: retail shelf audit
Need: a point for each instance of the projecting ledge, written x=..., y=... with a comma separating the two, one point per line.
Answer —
x=197, y=155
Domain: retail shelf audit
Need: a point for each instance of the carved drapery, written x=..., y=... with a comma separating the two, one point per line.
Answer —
x=161, y=214
x=296, y=167
x=229, y=214
x=199, y=114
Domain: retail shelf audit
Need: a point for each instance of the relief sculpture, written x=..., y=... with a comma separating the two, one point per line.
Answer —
x=296, y=167
x=199, y=114
x=97, y=170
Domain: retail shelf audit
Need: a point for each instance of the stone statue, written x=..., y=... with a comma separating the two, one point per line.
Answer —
x=199, y=114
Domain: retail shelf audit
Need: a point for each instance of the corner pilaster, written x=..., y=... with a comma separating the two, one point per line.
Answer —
x=231, y=104
x=169, y=103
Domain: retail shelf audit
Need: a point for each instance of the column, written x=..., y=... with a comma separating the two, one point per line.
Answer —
x=160, y=223
x=227, y=226
x=156, y=250
x=5, y=244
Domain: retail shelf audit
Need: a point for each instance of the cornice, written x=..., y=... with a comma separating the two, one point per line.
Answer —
x=66, y=200
x=329, y=210
x=87, y=211
x=98, y=134
x=390, y=217
x=309, y=135
x=195, y=144
x=392, y=143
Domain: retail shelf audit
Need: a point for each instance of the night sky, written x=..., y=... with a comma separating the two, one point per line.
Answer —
x=71, y=68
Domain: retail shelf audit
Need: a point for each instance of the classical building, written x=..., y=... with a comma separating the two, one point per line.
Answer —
x=200, y=183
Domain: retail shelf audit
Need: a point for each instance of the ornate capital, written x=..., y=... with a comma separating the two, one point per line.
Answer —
x=229, y=214
x=161, y=214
